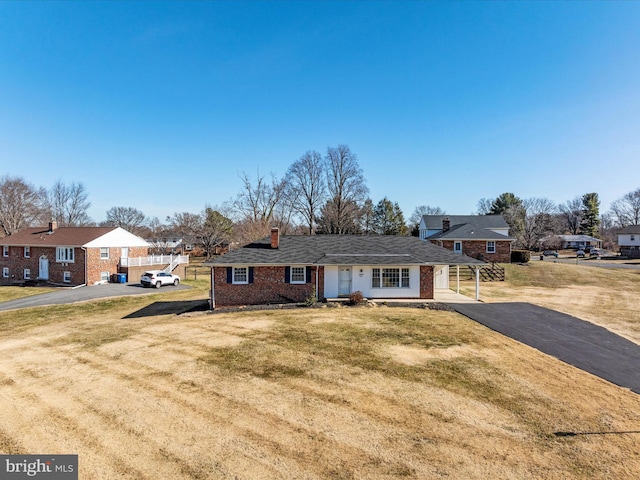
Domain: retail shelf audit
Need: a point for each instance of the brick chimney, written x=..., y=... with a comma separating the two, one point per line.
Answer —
x=446, y=224
x=52, y=225
x=275, y=237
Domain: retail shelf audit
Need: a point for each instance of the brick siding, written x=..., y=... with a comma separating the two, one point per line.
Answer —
x=426, y=281
x=17, y=263
x=478, y=249
x=268, y=287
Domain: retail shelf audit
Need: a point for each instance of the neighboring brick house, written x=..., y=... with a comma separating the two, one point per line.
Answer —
x=484, y=237
x=67, y=255
x=292, y=268
x=629, y=241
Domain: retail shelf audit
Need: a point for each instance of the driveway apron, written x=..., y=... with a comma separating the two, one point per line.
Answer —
x=579, y=343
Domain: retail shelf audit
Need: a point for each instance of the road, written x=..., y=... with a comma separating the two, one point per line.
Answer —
x=82, y=294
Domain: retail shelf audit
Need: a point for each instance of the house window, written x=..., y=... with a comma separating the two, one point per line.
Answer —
x=633, y=238
x=27, y=252
x=5, y=250
x=104, y=253
x=66, y=277
x=240, y=275
x=27, y=274
x=104, y=276
x=390, y=278
x=64, y=254
x=457, y=247
x=298, y=275
x=491, y=247
x=5, y=272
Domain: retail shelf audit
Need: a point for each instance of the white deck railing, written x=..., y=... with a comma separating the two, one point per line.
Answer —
x=171, y=260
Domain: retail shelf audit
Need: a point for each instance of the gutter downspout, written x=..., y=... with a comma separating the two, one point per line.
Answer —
x=317, y=268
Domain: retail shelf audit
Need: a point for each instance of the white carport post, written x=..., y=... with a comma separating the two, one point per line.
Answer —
x=458, y=279
x=477, y=284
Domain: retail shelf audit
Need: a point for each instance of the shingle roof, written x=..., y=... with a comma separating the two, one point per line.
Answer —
x=469, y=232
x=343, y=250
x=67, y=236
x=630, y=229
x=434, y=222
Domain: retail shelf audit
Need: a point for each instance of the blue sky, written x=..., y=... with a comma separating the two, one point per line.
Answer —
x=160, y=105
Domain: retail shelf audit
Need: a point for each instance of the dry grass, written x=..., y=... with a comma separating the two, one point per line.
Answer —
x=606, y=297
x=307, y=393
x=12, y=293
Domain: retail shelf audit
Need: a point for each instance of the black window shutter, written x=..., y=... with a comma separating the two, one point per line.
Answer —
x=287, y=274
x=229, y=274
x=250, y=274
x=308, y=275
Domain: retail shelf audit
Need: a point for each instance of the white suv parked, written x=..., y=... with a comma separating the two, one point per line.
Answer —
x=157, y=278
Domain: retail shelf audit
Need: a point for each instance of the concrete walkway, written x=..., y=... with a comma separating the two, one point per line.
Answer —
x=582, y=344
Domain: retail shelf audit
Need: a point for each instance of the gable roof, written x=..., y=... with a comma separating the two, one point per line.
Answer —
x=469, y=232
x=434, y=222
x=74, y=237
x=630, y=229
x=343, y=250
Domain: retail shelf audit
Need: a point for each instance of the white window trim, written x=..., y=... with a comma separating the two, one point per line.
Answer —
x=494, y=246
x=304, y=275
x=5, y=272
x=66, y=277
x=108, y=253
x=239, y=282
x=60, y=258
x=27, y=274
x=457, y=242
x=5, y=250
x=104, y=276
x=27, y=252
x=401, y=277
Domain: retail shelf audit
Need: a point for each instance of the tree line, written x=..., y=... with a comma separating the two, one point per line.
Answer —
x=318, y=194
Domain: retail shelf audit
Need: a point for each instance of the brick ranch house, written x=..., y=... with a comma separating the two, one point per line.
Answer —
x=291, y=268
x=67, y=255
x=483, y=237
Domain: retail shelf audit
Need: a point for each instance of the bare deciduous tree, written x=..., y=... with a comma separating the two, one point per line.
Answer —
x=626, y=210
x=256, y=205
x=68, y=204
x=305, y=187
x=21, y=204
x=215, y=230
x=346, y=186
x=571, y=212
x=535, y=221
x=129, y=218
x=419, y=212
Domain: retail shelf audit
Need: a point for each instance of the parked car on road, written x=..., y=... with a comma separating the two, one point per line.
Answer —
x=548, y=253
x=580, y=253
x=594, y=252
x=158, y=278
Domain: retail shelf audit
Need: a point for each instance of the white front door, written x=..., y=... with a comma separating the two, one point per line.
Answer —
x=457, y=247
x=43, y=271
x=344, y=280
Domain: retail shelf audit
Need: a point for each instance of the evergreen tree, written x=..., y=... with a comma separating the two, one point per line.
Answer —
x=590, y=214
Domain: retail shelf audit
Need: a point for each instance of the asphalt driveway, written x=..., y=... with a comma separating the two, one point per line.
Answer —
x=82, y=294
x=570, y=339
